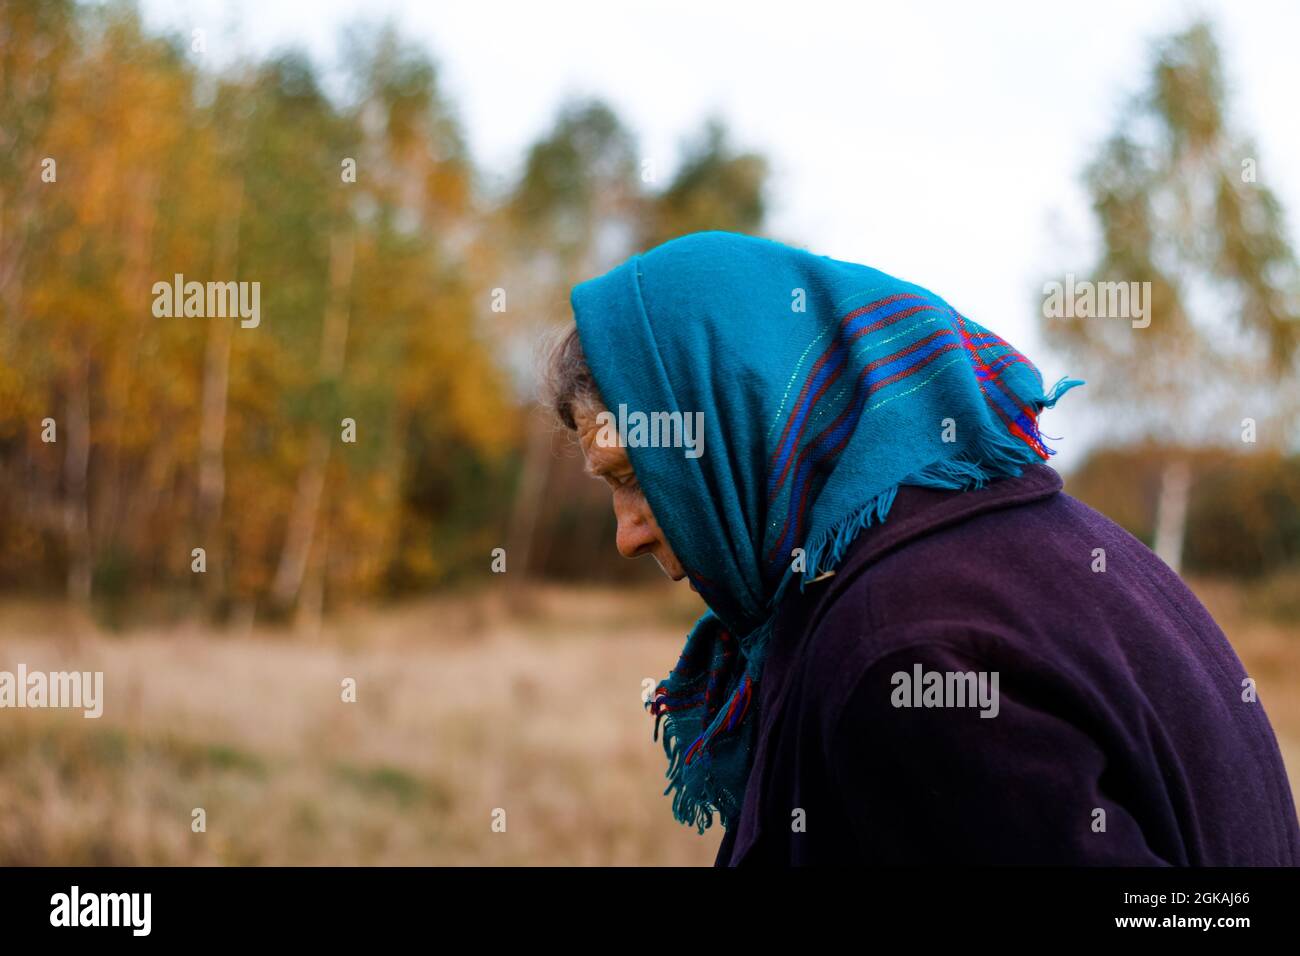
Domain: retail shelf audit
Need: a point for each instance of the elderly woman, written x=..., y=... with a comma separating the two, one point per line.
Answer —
x=917, y=648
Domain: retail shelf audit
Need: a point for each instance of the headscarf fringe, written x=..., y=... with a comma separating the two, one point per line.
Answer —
x=690, y=801
x=993, y=455
x=696, y=796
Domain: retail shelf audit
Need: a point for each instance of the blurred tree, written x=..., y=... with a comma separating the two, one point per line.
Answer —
x=427, y=368
x=715, y=187
x=578, y=196
x=182, y=432
x=395, y=291
x=1243, y=518
x=228, y=158
x=85, y=285
x=585, y=200
x=571, y=215
x=36, y=40
x=1176, y=194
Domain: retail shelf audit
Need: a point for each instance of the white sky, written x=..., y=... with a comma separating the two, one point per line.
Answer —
x=939, y=141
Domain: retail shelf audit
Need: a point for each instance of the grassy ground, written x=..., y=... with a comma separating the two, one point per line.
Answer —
x=462, y=708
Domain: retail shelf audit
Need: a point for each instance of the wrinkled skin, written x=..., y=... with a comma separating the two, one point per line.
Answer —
x=638, y=531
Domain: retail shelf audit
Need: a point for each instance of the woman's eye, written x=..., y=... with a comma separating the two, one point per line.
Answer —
x=620, y=480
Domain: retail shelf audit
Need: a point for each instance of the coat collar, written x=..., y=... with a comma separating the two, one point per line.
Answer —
x=915, y=513
x=918, y=511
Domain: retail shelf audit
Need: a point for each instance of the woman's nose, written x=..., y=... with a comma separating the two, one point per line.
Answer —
x=635, y=535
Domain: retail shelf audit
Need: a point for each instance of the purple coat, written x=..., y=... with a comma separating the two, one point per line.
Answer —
x=1116, y=731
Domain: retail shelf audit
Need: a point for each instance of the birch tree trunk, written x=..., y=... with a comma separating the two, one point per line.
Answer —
x=311, y=480
x=1171, y=512
x=520, y=538
x=76, y=464
x=212, y=427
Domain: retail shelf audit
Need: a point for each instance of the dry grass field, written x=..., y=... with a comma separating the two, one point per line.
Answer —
x=462, y=708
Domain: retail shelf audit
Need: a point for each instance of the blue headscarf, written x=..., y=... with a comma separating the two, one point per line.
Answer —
x=823, y=386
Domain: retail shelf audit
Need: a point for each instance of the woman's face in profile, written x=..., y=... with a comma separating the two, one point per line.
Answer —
x=638, y=531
